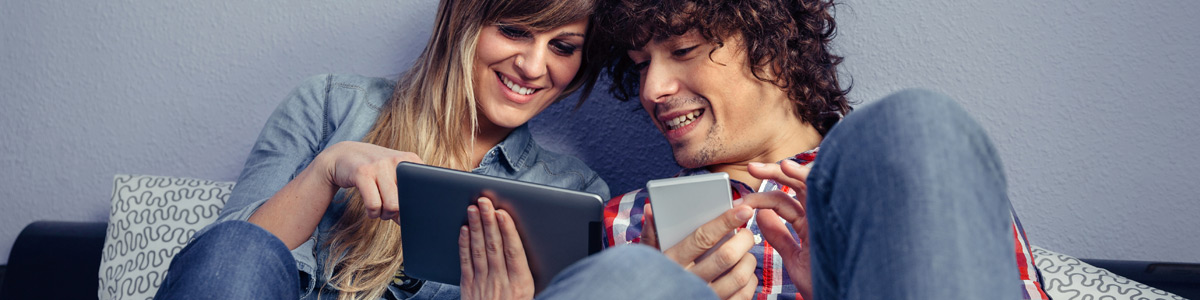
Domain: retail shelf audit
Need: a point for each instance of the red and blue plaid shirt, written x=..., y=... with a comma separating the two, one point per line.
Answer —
x=623, y=221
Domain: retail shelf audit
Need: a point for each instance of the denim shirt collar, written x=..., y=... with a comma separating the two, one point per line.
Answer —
x=515, y=148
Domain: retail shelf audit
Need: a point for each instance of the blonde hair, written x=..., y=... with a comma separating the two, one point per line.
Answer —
x=432, y=113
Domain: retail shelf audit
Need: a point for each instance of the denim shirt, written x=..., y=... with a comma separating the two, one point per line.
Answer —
x=327, y=109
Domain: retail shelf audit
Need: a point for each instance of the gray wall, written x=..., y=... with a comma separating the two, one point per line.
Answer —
x=1090, y=105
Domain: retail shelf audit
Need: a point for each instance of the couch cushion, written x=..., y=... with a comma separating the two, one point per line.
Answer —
x=151, y=219
x=1067, y=278
x=49, y=253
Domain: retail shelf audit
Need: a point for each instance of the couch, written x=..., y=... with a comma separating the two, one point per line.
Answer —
x=152, y=218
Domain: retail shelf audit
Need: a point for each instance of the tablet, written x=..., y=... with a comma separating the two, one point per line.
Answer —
x=682, y=204
x=558, y=226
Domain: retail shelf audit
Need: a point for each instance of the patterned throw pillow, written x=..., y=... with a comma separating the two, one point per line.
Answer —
x=1068, y=278
x=152, y=218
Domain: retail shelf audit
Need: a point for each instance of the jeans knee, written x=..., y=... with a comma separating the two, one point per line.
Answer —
x=917, y=115
x=618, y=260
x=606, y=275
x=232, y=260
x=914, y=106
x=240, y=234
x=921, y=97
x=235, y=242
x=632, y=255
x=907, y=131
x=229, y=229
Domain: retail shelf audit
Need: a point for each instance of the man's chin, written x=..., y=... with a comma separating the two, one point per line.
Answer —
x=690, y=160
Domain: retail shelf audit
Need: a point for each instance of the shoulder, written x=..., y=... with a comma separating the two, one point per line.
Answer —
x=361, y=83
x=565, y=167
x=329, y=80
x=344, y=88
x=554, y=161
x=334, y=99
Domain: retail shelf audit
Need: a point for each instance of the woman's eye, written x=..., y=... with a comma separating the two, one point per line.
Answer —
x=684, y=51
x=514, y=32
x=640, y=66
x=564, y=48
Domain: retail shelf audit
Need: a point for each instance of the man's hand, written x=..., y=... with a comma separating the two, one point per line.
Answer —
x=649, y=231
x=493, y=261
x=729, y=270
x=774, y=205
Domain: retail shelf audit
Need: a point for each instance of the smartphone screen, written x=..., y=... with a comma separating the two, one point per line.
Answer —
x=682, y=204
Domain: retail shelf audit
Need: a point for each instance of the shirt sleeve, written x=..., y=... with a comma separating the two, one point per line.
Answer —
x=623, y=218
x=1031, y=279
x=289, y=141
x=293, y=135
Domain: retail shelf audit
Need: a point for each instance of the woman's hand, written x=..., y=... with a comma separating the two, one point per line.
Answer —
x=777, y=205
x=492, y=257
x=369, y=168
x=295, y=210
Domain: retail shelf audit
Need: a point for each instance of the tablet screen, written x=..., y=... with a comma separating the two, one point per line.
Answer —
x=558, y=226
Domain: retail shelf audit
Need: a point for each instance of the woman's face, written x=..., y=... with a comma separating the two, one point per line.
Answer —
x=519, y=72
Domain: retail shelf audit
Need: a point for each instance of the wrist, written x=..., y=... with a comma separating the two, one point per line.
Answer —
x=319, y=171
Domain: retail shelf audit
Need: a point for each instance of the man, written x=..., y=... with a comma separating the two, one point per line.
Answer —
x=906, y=200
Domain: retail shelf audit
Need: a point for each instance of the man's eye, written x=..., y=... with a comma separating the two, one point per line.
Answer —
x=514, y=32
x=684, y=51
x=564, y=48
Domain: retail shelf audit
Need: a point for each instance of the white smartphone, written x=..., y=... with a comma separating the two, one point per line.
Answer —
x=682, y=204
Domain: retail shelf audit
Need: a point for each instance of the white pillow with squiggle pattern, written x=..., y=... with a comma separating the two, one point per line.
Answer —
x=152, y=218
x=1068, y=278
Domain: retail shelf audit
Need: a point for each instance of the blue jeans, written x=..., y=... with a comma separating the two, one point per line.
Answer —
x=607, y=275
x=239, y=260
x=233, y=260
x=908, y=200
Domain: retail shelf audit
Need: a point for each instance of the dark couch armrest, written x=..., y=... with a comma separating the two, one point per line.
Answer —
x=55, y=260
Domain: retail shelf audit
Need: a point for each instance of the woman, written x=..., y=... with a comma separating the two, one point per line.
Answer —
x=489, y=67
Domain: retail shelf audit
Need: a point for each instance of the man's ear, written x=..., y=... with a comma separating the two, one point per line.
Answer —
x=768, y=72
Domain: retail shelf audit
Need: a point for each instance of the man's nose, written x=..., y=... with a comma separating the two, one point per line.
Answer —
x=658, y=83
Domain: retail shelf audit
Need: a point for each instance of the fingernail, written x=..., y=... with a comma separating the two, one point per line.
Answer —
x=738, y=201
x=791, y=162
x=744, y=213
x=757, y=164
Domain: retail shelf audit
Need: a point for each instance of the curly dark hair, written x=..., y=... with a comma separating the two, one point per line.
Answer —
x=787, y=38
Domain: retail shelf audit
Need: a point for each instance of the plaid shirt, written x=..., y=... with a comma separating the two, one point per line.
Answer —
x=623, y=219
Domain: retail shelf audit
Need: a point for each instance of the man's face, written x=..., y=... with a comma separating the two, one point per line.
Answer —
x=711, y=108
